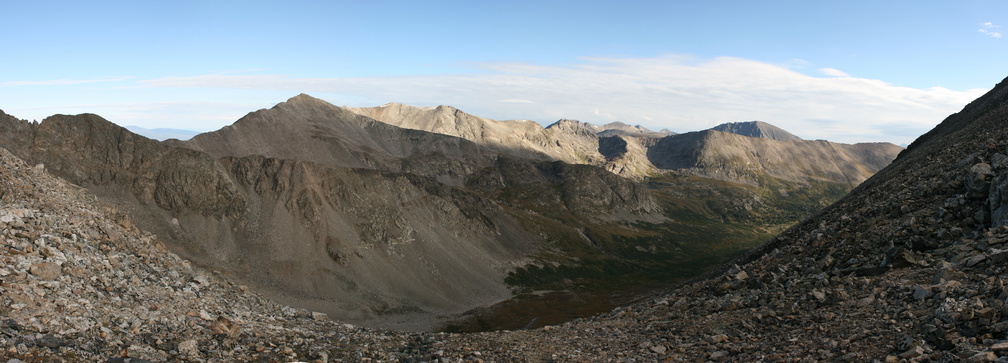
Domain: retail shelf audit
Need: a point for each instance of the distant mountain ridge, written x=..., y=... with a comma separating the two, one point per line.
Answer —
x=636, y=152
x=618, y=128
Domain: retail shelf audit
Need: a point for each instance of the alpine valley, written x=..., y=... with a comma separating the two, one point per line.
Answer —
x=405, y=217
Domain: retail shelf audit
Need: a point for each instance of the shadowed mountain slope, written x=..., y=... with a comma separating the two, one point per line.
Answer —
x=909, y=265
x=377, y=244
x=308, y=129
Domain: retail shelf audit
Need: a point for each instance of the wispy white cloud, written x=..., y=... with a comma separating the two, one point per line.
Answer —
x=516, y=100
x=833, y=72
x=674, y=92
x=60, y=82
x=990, y=29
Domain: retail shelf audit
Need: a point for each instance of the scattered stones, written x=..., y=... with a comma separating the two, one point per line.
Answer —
x=224, y=326
x=189, y=348
x=973, y=261
x=660, y=349
x=46, y=270
x=983, y=357
x=718, y=338
x=77, y=284
x=921, y=293
x=915, y=351
x=1000, y=348
x=317, y=316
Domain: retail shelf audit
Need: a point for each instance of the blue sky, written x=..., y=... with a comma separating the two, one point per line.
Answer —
x=847, y=71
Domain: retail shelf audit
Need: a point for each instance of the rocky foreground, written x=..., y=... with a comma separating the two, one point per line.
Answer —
x=79, y=283
x=909, y=266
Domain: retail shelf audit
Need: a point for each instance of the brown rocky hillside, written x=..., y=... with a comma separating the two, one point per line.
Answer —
x=907, y=265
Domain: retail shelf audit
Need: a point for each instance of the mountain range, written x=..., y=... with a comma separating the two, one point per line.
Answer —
x=909, y=265
x=403, y=217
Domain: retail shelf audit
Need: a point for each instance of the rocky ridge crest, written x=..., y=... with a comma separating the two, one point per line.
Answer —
x=635, y=152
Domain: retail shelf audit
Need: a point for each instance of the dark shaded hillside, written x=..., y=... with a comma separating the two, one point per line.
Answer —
x=383, y=246
x=910, y=265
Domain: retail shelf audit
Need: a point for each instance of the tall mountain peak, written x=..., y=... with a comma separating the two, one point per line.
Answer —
x=564, y=122
x=304, y=97
x=757, y=129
